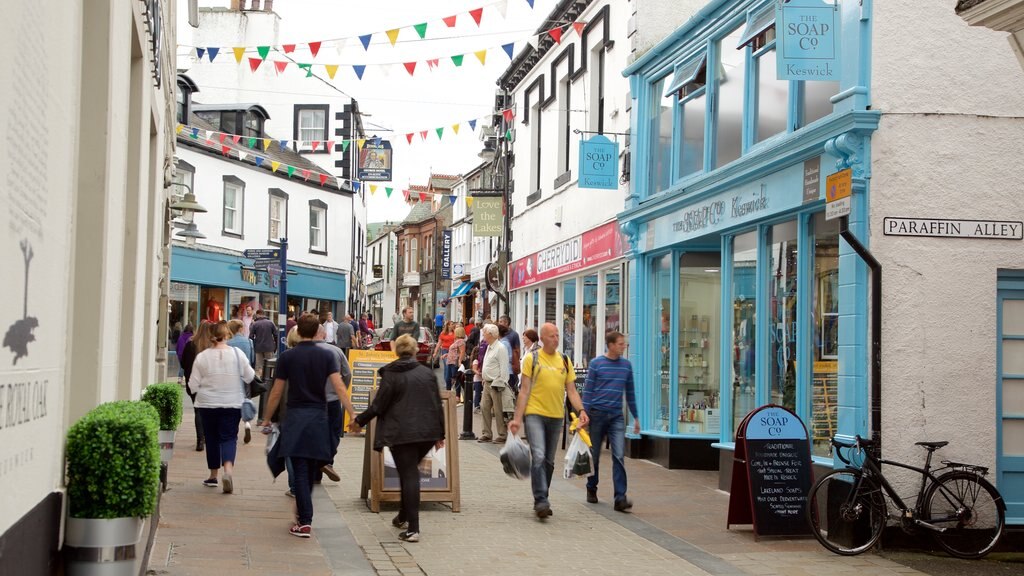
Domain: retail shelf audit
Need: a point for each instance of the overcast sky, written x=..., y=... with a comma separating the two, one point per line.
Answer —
x=398, y=102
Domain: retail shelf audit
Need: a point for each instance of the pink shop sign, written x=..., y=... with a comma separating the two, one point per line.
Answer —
x=593, y=247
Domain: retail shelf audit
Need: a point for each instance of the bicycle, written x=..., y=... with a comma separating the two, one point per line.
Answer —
x=847, y=509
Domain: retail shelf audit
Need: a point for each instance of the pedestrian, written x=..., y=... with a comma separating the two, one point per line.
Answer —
x=335, y=417
x=609, y=378
x=248, y=317
x=365, y=331
x=479, y=350
x=344, y=336
x=456, y=354
x=444, y=341
x=263, y=334
x=355, y=330
x=188, y=359
x=305, y=433
x=494, y=374
x=410, y=421
x=515, y=349
x=218, y=378
x=531, y=341
x=438, y=322
x=406, y=326
x=547, y=379
x=330, y=329
x=179, y=349
x=289, y=321
x=238, y=340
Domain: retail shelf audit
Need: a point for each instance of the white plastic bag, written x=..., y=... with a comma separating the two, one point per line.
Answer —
x=577, y=459
x=515, y=457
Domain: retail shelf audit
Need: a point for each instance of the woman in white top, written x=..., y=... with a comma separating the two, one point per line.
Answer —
x=217, y=377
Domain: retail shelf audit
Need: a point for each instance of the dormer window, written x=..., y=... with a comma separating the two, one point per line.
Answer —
x=253, y=125
x=241, y=119
x=183, y=98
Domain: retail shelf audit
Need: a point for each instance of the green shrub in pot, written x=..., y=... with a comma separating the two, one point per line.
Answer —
x=113, y=462
x=166, y=398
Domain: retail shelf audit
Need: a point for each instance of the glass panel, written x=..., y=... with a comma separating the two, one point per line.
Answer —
x=816, y=100
x=550, y=302
x=661, y=139
x=612, y=309
x=825, y=328
x=536, y=308
x=184, y=309
x=700, y=295
x=744, y=333
x=1013, y=437
x=1013, y=356
x=691, y=149
x=212, y=304
x=1013, y=318
x=731, y=76
x=569, y=318
x=589, y=321
x=228, y=121
x=661, y=352
x=782, y=283
x=1013, y=396
x=772, y=98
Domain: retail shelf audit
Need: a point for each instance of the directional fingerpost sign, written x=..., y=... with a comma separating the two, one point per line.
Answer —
x=264, y=262
x=274, y=253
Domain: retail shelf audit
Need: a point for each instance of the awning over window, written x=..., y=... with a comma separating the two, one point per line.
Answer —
x=686, y=73
x=756, y=25
x=463, y=289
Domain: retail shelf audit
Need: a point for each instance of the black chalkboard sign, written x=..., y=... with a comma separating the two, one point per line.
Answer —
x=773, y=470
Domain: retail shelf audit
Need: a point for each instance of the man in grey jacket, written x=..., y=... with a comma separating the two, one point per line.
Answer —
x=494, y=373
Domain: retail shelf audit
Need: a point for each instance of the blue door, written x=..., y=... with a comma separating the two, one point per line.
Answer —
x=1010, y=396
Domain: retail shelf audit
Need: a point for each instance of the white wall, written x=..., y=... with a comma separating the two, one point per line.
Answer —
x=656, y=19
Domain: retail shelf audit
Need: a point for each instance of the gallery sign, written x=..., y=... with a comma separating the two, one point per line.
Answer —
x=942, y=228
x=446, y=254
x=808, y=39
x=599, y=163
x=593, y=247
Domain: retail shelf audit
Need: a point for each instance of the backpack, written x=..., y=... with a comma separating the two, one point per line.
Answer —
x=536, y=353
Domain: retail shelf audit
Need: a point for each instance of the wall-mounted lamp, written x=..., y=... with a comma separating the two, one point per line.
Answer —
x=488, y=152
x=188, y=207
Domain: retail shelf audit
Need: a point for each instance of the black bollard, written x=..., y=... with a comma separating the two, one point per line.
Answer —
x=467, y=407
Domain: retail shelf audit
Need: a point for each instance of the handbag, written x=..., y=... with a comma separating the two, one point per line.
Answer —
x=248, y=408
x=257, y=387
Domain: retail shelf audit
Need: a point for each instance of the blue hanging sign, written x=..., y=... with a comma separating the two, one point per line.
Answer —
x=807, y=33
x=599, y=163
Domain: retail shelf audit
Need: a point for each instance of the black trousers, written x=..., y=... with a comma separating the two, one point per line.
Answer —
x=407, y=461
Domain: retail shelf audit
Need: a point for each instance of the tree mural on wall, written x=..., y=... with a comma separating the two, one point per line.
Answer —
x=20, y=333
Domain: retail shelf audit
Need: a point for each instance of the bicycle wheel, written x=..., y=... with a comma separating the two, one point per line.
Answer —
x=968, y=509
x=846, y=512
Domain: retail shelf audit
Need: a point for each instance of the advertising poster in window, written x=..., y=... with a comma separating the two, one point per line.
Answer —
x=374, y=161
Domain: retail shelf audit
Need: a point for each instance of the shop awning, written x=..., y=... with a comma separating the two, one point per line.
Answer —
x=463, y=289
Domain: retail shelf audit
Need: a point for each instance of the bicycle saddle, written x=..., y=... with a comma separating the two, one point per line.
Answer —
x=932, y=445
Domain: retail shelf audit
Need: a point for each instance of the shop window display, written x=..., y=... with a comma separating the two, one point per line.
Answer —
x=697, y=393
x=183, y=304
x=588, y=337
x=825, y=325
x=612, y=309
x=569, y=319
x=782, y=307
x=661, y=352
x=744, y=333
x=212, y=301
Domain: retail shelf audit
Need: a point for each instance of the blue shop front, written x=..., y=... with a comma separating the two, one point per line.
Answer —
x=745, y=294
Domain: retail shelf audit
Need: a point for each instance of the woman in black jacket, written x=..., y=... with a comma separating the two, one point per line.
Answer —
x=410, y=421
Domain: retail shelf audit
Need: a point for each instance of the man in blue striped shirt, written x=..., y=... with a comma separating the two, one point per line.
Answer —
x=608, y=378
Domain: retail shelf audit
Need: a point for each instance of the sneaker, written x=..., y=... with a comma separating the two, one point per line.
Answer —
x=304, y=531
x=476, y=410
x=397, y=523
x=623, y=505
x=591, y=496
x=228, y=485
x=484, y=439
x=328, y=471
x=542, y=509
x=289, y=493
x=408, y=536
x=499, y=440
x=248, y=433
x=210, y=482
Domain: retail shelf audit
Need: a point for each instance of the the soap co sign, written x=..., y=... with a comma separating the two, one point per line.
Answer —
x=599, y=163
x=597, y=246
x=808, y=32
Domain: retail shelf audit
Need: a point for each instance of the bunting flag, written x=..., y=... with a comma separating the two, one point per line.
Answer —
x=476, y=14
x=212, y=52
x=578, y=27
x=280, y=65
x=530, y=2
x=421, y=29
x=254, y=63
x=359, y=68
x=236, y=138
x=481, y=55
x=288, y=48
x=291, y=170
x=450, y=21
x=373, y=189
x=274, y=165
x=469, y=201
x=508, y=49
x=508, y=114
x=393, y=35
x=508, y=134
x=225, y=149
x=556, y=33
x=344, y=145
x=259, y=161
x=423, y=134
x=307, y=67
x=455, y=128
x=332, y=69
x=388, y=191
x=222, y=137
x=242, y=155
x=314, y=48
x=323, y=179
x=284, y=145
x=251, y=142
x=200, y=52
x=408, y=137
x=266, y=144
x=360, y=142
x=410, y=67
x=423, y=196
x=452, y=198
x=316, y=144
x=239, y=53
x=305, y=175
x=457, y=60
x=433, y=63
x=179, y=128
x=440, y=132
x=472, y=124
x=406, y=194
x=263, y=51
x=365, y=39
x=502, y=7
x=329, y=147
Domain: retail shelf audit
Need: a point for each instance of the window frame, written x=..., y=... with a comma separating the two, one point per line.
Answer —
x=305, y=146
x=318, y=207
x=281, y=196
x=239, y=208
x=184, y=173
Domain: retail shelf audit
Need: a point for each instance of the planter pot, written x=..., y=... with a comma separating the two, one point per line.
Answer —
x=166, y=439
x=94, y=547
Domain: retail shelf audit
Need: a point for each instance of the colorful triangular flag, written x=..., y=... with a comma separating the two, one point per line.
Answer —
x=359, y=69
x=423, y=196
x=274, y=165
x=236, y=138
x=508, y=48
x=225, y=149
x=481, y=55
x=469, y=201
x=457, y=60
x=556, y=33
x=212, y=52
x=332, y=69
x=373, y=189
x=259, y=161
x=440, y=132
x=314, y=48
x=455, y=128
x=288, y=48
x=239, y=52
x=530, y=2
x=452, y=198
x=388, y=191
x=476, y=14
x=578, y=27
x=179, y=128
x=305, y=174
x=254, y=63
x=365, y=39
x=195, y=132
x=410, y=67
x=508, y=114
x=344, y=145
x=200, y=52
x=307, y=67
x=284, y=145
x=421, y=29
x=242, y=155
x=250, y=142
x=449, y=21
x=291, y=170
x=508, y=134
x=316, y=145
x=266, y=143
x=360, y=142
x=323, y=179
x=423, y=134
x=393, y=35
x=472, y=124
x=329, y=147
x=263, y=51
x=502, y=7
x=408, y=137
x=280, y=65
x=222, y=137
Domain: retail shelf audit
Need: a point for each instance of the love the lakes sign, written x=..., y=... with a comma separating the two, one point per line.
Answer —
x=942, y=228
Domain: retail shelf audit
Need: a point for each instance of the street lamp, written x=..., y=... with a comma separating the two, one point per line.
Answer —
x=188, y=207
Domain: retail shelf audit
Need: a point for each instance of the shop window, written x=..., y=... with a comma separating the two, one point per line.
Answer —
x=660, y=353
x=730, y=75
x=689, y=84
x=825, y=328
x=743, y=293
x=660, y=122
x=317, y=227
x=234, y=205
x=277, y=226
x=772, y=96
x=211, y=301
x=184, y=306
x=613, y=302
x=698, y=382
x=549, y=312
x=569, y=319
x=564, y=129
x=535, y=153
x=597, y=72
x=782, y=321
x=817, y=101
x=589, y=327
x=310, y=125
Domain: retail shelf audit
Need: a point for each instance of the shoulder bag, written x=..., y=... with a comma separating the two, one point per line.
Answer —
x=248, y=408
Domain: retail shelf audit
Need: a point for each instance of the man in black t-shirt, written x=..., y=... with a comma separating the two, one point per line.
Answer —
x=406, y=326
x=305, y=434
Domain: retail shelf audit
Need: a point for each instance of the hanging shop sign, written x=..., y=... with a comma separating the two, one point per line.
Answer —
x=487, y=216
x=593, y=247
x=808, y=39
x=446, y=254
x=599, y=163
x=942, y=228
x=374, y=161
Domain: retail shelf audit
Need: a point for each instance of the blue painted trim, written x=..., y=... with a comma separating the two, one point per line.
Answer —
x=663, y=48
x=727, y=381
x=761, y=345
x=849, y=93
x=194, y=266
x=1008, y=288
x=673, y=329
x=804, y=317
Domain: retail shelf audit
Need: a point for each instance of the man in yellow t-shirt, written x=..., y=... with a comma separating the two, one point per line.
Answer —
x=542, y=394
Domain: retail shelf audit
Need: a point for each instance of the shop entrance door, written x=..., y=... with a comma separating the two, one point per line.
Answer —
x=698, y=357
x=1010, y=399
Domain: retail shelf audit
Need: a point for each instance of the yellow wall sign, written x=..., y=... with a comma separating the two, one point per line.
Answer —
x=838, y=185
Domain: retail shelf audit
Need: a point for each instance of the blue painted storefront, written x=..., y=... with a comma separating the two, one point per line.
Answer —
x=684, y=202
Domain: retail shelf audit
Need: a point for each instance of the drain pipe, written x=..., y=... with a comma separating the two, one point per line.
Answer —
x=876, y=329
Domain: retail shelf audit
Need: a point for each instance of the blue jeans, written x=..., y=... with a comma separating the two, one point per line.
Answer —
x=614, y=426
x=220, y=427
x=302, y=474
x=543, y=433
x=478, y=392
x=450, y=371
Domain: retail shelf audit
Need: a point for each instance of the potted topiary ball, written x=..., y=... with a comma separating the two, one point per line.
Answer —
x=166, y=398
x=113, y=469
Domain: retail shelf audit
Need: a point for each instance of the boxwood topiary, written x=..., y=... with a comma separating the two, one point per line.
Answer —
x=113, y=461
x=166, y=398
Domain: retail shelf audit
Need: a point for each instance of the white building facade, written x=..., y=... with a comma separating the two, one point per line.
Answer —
x=381, y=279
